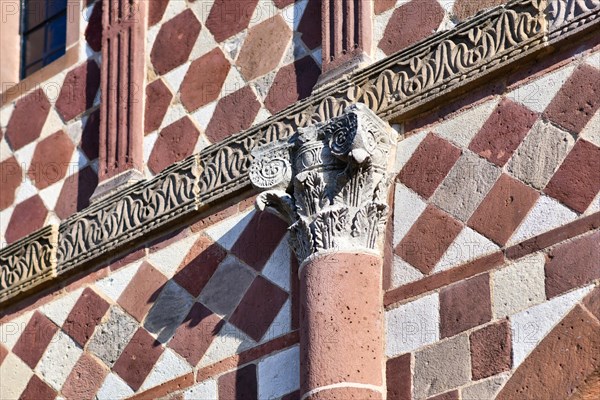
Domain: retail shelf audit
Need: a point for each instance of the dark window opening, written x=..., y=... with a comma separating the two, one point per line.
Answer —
x=43, y=33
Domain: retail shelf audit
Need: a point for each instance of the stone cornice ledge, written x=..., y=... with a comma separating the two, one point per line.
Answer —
x=391, y=88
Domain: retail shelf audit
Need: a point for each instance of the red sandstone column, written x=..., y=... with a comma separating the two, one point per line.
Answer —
x=330, y=183
x=347, y=36
x=122, y=88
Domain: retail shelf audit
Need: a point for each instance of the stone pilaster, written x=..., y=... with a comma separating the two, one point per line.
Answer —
x=330, y=183
x=122, y=91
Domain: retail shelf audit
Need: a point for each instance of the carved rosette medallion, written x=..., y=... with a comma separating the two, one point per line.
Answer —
x=329, y=181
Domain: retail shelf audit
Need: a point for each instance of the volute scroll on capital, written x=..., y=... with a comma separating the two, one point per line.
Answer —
x=329, y=181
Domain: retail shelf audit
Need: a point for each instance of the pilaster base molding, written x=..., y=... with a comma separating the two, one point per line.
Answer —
x=329, y=182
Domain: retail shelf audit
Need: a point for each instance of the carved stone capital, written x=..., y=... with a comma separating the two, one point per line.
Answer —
x=329, y=181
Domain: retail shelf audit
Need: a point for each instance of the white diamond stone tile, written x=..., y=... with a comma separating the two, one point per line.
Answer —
x=167, y=260
x=205, y=42
x=594, y=60
x=175, y=77
x=462, y=128
x=206, y=390
x=53, y=124
x=468, y=245
x=24, y=156
x=51, y=194
x=545, y=215
x=594, y=205
x=25, y=191
x=149, y=141
x=114, y=284
x=114, y=388
x=14, y=376
x=279, y=374
x=233, y=82
x=408, y=206
x=173, y=9
x=412, y=325
x=229, y=342
x=5, y=151
x=403, y=272
x=5, y=114
x=529, y=327
x=204, y=114
x=11, y=331
x=591, y=132
x=168, y=367
x=58, y=360
x=278, y=266
x=227, y=232
x=406, y=148
x=293, y=13
x=264, y=10
x=58, y=310
x=538, y=94
x=5, y=216
x=281, y=325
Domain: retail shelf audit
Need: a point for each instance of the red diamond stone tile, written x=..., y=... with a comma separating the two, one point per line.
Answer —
x=259, y=239
x=85, y=379
x=263, y=48
x=85, y=315
x=239, y=384
x=429, y=165
x=11, y=177
x=175, y=41
x=37, y=389
x=292, y=83
x=138, y=358
x=174, y=143
x=26, y=218
x=158, y=98
x=199, y=265
x=465, y=305
x=50, y=161
x=228, y=17
x=90, y=136
x=428, y=239
x=156, y=10
x=76, y=192
x=381, y=6
x=399, y=377
x=410, y=23
x=27, y=119
x=491, y=350
x=79, y=90
x=503, y=209
x=310, y=25
x=142, y=291
x=93, y=32
x=35, y=339
x=577, y=101
x=258, y=308
x=577, y=180
x=234, y=113
x=464, y=9
x=503, y=132
x=204, y=79
x=196, y=333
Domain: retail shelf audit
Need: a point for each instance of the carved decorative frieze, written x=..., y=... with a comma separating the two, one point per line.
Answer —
x=329, y=181
x=28, y=262
x=390, y=88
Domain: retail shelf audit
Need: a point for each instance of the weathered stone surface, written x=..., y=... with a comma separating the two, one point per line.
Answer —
x=11, y=176
x=441, y=367
x=503, y=132
x=491, y=350
x=279, y=374
x=465, y=305
x=27, y=217
x=486, y=389
x=591, y=302
x=174, y=143
x=540, y=154
x=37, y=389
x=233, y=278
x=204, y=79
x=399, y=377
x=85, y=316
x=428, y=239
x=518, y=286
x=263, y=48
x=429, y=165
x=168, y=311
x=310, y=25
x=465, y=186
x=175, y=41
x=464, y=9
x=76, y=192
x=85, y=379
x=380, y=6
x=112, y=336
x=234, y=113
x=239, y=384
x=503, y=209
x=27, y=119
x=158, y=98
x=410, y=23
x=577, y=181
x=577, y=101
x=142, y=291
x=573, y=264
x=138, y=359
x=51, y=160
x=292, y=83
x=227, y=18
x=452, y=395
x=258, y=308
x=34, y=339
x=560, y=363
x=79, y=90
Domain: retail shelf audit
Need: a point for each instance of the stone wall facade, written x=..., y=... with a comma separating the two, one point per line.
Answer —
x=489, y=256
